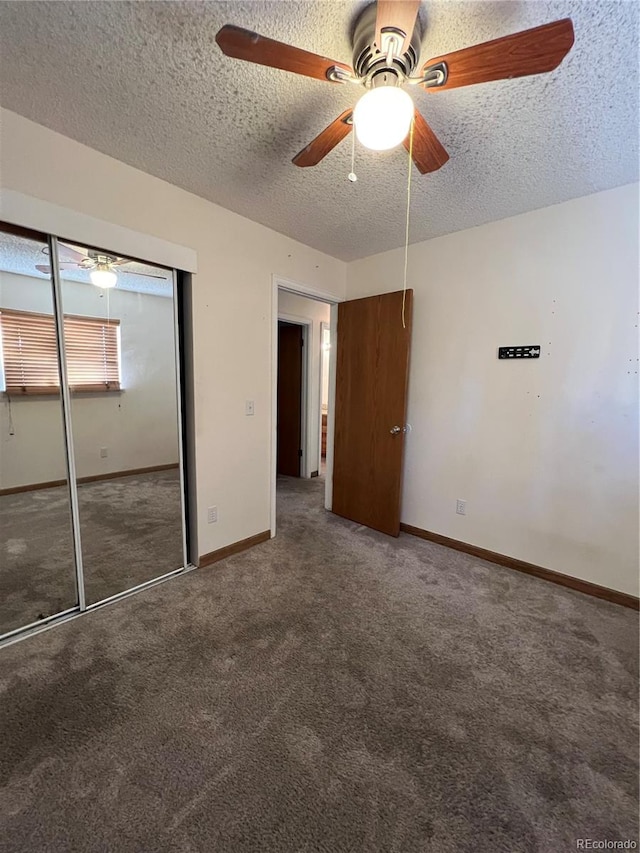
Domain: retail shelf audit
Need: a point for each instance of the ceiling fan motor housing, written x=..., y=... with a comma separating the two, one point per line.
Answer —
x=373, y=66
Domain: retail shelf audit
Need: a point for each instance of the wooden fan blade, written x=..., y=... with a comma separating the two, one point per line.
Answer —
x=143, y=274
x=529, y=52
x=46, y=269
x=120, y=262
x=247, y=45
x=325, y=141
x=396, y=15
x=71, y=255
x=427, y=151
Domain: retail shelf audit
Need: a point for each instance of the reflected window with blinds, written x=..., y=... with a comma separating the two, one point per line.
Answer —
x=30, y=354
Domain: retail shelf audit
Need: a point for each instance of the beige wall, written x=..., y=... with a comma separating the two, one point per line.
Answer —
x=232, y=305
x=545, y=452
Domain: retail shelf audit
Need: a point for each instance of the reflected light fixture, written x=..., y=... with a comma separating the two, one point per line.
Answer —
x=103, y=276
x=382, y=117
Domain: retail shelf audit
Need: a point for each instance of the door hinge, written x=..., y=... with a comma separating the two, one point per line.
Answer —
x=300, y=454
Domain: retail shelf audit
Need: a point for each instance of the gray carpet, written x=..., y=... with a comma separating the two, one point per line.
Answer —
x=131, y=532
x=330, y=690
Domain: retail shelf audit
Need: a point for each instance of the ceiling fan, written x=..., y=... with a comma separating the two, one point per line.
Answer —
x=386, y=53
x=103, y=268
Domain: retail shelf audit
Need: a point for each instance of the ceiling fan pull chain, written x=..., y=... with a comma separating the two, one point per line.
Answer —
x=352, y=174
x=406, y=232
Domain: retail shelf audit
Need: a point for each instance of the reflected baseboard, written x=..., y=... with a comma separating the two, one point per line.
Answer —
x=93, y=478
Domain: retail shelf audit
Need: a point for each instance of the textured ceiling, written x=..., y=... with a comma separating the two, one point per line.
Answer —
x=19, y=255
x=146, y=83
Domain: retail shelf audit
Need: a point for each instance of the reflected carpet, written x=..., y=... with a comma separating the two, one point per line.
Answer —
x=131, y=531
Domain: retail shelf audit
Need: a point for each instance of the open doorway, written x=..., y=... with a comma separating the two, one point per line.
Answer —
x=325, y=353
x=302, y=407
x=301, y=322
x=366, y=410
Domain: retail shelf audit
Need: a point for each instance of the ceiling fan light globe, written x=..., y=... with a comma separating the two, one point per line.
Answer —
x=382, y=117
x=103, y=278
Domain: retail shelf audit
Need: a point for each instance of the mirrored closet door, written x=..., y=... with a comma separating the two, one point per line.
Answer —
x=91, y=480
x=37, y=571
x=121, y=365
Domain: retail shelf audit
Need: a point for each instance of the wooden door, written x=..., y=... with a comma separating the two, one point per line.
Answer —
x=372, y=372
x=289, y=450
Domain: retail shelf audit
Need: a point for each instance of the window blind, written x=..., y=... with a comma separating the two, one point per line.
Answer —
x=31, y=356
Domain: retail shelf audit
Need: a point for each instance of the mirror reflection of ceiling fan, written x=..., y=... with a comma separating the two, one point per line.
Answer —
x=103, y=269
x=386, y=52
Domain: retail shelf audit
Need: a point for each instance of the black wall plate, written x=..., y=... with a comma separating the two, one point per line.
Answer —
x=532, y=351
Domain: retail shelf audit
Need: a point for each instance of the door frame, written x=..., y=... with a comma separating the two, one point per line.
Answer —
x=279, y=283
x=306, y=323
x=323, y=328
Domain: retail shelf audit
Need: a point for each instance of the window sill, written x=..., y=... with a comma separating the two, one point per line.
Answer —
x=55, y=393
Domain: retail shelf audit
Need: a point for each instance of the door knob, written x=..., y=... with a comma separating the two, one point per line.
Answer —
x=396, y=430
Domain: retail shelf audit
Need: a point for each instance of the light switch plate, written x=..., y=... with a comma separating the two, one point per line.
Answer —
x=249, y=407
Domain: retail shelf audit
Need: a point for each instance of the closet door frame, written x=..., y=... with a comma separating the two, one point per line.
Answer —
x=180, y=403
x=66, y=418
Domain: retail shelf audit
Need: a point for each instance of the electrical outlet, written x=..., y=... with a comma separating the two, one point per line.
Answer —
x=104, y=452
x=249, y=407
x=461, y=507
x=212, y=514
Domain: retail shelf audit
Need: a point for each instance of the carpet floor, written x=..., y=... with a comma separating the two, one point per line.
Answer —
x=329, y=690
x=131, y=532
